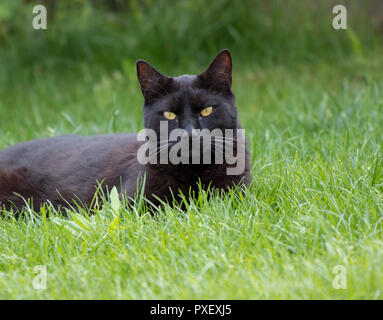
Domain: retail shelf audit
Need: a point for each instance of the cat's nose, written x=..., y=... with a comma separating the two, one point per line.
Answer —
x=189, y=131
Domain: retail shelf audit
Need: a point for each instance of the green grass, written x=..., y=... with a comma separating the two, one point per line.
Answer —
x=310, y=99
x=316, y=199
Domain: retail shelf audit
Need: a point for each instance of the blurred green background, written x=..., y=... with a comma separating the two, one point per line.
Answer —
x=176, y=33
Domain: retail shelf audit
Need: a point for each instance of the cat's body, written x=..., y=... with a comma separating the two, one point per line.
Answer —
x=69, y=167
x=69, y=164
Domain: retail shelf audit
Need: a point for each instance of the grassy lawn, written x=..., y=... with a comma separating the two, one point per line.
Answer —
x=310, y=99
x=316, y=199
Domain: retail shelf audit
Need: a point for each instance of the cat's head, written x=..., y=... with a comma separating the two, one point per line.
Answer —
x=203, y=101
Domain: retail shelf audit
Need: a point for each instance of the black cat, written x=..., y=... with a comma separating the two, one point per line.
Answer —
x=69, y=167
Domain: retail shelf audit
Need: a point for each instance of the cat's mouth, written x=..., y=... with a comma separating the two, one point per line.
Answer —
x=191, y=150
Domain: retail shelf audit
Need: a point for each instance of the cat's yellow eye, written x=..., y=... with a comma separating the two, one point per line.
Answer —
x=169, y=115
x=207, y=111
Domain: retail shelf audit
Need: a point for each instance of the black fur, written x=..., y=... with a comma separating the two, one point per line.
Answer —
x=69, y=167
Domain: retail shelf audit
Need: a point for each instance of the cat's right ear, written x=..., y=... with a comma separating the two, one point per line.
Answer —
x=152, y=82
x=217, y=77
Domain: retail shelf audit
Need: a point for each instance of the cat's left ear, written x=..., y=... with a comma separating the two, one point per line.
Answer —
x=217, y=77
x=152, y=82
